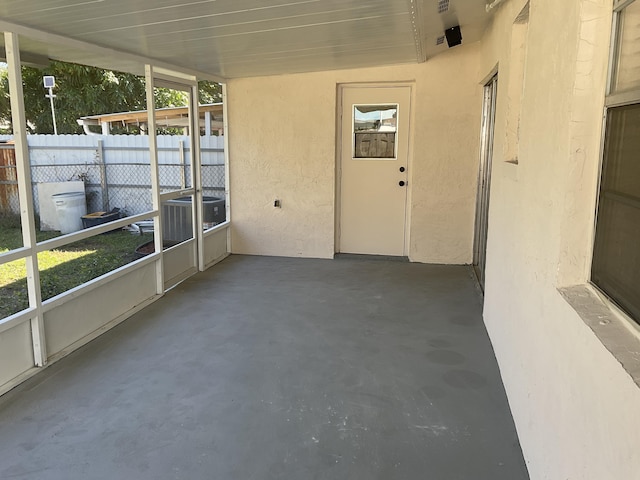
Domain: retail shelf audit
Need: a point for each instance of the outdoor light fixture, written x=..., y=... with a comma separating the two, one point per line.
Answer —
x=49, y=82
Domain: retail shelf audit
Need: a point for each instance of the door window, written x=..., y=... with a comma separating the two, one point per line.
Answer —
x=374, y=131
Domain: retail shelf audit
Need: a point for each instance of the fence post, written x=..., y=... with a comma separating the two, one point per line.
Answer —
x=207, y=124
x=183, y=169
x=104, y=185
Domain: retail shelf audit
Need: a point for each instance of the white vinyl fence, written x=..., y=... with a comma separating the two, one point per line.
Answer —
x=114, y=168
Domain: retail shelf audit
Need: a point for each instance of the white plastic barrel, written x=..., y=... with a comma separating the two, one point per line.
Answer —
x=70, y=207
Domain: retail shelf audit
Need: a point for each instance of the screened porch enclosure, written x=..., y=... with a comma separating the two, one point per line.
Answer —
x=285, y=359
x=68, y=288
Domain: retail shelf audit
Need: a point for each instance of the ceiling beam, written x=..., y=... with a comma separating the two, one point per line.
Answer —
x=417, y=25
x=28, y=59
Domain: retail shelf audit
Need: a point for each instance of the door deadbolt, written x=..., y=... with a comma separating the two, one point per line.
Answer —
x=402, y=169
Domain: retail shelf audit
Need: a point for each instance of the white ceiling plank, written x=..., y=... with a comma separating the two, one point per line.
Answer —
x=228, y=38
x=253, y=20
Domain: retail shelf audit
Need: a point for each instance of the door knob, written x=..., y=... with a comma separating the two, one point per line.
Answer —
x=402, y=183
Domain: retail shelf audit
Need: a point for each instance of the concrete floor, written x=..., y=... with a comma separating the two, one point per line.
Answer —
x=277, y=368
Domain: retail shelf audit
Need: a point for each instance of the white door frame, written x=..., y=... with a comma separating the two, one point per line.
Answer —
x=189, y=252
x=481, y=228
x=338, y=172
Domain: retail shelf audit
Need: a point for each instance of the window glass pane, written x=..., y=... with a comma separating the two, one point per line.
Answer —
x=212, y=153
x=213, y=181
x=10, y=221
x=13, y=288
x=374, y=128
x=616, y=259
x=628, y=68
x=100, y=149
x=13, y=275
x=173, y=136
x=66, y=267
x=621, y=174
x=9, y=199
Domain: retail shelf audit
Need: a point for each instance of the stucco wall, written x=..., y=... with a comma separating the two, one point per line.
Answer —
x=283, y=146
x=574, y=405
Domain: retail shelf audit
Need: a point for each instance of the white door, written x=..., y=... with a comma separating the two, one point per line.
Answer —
x=178, y=170
x=374, y=169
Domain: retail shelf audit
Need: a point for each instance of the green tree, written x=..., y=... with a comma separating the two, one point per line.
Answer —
x=209, y=92
x=81, y=91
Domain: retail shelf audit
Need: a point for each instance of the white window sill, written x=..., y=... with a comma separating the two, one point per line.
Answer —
x=614, y=329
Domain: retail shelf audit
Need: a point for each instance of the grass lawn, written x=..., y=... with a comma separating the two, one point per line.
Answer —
x=63, y=268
